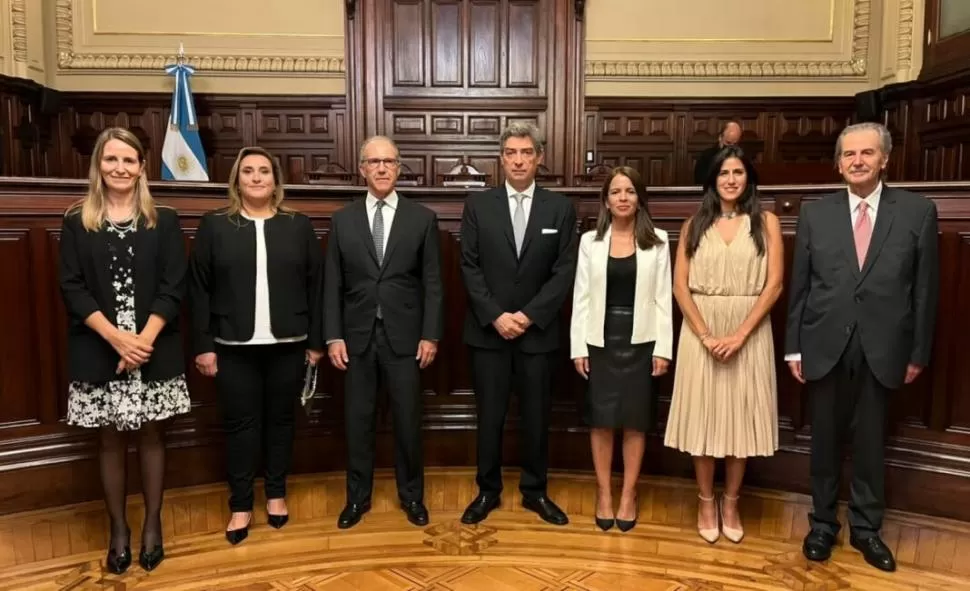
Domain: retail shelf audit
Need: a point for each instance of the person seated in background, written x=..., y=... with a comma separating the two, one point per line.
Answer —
x=621, y=333
x=122, y=276
x=730, y=136
x=256, y=285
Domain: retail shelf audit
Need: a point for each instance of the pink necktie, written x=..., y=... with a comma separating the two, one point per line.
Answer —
x=863, y=232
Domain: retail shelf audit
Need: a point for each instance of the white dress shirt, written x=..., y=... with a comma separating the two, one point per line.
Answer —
x=854, y=201
x=526, y=203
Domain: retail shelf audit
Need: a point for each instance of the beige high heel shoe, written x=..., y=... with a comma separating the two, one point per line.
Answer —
x=735, y=535
x=709, y=535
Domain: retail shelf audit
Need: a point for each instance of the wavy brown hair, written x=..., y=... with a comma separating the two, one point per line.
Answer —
x=643, y=229
x=235, y=196
x=94, y=209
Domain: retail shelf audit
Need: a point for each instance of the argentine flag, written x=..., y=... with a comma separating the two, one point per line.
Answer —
x=182, y=156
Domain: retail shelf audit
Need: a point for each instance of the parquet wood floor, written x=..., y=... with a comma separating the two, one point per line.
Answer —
x=63, y=549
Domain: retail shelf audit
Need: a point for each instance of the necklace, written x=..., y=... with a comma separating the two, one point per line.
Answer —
x=121, y=229
x=729, y=215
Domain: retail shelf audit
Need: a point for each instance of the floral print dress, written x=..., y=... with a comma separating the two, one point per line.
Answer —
x=128, y=401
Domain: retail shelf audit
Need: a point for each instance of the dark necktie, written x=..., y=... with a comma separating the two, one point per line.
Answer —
x=378, y=234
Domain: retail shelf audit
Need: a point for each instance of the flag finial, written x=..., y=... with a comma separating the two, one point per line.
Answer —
x=180, y=58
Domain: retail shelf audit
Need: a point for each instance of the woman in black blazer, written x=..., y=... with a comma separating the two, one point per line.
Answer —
x=255, y=283
x=122, y=275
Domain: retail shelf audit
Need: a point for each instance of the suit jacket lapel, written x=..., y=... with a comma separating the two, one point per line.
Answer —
x=101, y=256
x=394, y=235
x=146, y=251
x=363, y=229
x=844, y=232
x=884, y=220
x=532, y=226
x=505, y=217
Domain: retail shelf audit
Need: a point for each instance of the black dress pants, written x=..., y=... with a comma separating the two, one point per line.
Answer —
x=258, y=388
x=400, y=373
x=494, y=373
x=848, y=407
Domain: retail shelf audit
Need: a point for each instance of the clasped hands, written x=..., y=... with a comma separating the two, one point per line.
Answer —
x=511, y=326
x=134, y=349
x=723, y=348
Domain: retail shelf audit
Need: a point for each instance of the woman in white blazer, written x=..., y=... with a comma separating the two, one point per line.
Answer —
x=621, y=333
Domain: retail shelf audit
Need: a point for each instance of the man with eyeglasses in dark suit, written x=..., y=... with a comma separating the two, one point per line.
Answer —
x=382, y=320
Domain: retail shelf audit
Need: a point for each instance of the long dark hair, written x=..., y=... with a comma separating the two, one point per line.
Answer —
x=643, y=228
x=710, y=209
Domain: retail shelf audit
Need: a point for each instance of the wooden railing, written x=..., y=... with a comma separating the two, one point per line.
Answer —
x=44, y=463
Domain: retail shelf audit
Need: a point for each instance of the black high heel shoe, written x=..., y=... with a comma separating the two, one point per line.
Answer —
x=276, y=521
x=625, y=525
x=149, y=560
x=234, y=536
x=604, y=523
x=118, y=563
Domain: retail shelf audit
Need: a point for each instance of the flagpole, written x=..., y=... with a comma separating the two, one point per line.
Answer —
x=182, y=93
x=183, y=156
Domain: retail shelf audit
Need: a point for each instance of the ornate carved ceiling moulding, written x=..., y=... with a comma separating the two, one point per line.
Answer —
x=855, y=67
x=68, y=59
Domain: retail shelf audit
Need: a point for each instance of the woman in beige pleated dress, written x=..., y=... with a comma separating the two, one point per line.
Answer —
x=728, y=275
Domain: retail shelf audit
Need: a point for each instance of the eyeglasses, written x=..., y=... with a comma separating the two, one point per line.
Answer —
x=375, y=162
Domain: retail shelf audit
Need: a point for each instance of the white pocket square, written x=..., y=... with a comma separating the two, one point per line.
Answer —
x=550, y=231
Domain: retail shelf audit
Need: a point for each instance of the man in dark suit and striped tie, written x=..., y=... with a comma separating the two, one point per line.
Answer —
x=382, y=320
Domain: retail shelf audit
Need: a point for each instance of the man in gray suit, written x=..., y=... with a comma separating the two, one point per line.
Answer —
x=860, y=325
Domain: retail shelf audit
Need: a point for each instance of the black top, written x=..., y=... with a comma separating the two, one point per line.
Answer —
x=222, y=279
x=159, y=268
x=621, y=281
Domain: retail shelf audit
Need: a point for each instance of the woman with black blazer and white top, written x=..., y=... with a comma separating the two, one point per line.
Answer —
x=256, y=277
x=122, y=276
x=621, y=333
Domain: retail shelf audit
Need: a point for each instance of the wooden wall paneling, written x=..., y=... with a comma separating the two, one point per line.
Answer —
x=445, y=77
x=930, y=121
x=305, y=132
x=942, y=55
x=8, y=144
x=791, y=140
x=954, y=416
x=28, y=137
x=569, y=99
x=18, y=357
x=928, y=458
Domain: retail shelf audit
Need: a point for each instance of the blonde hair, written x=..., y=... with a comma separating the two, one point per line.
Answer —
x=235, y=198
x=93, y=206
